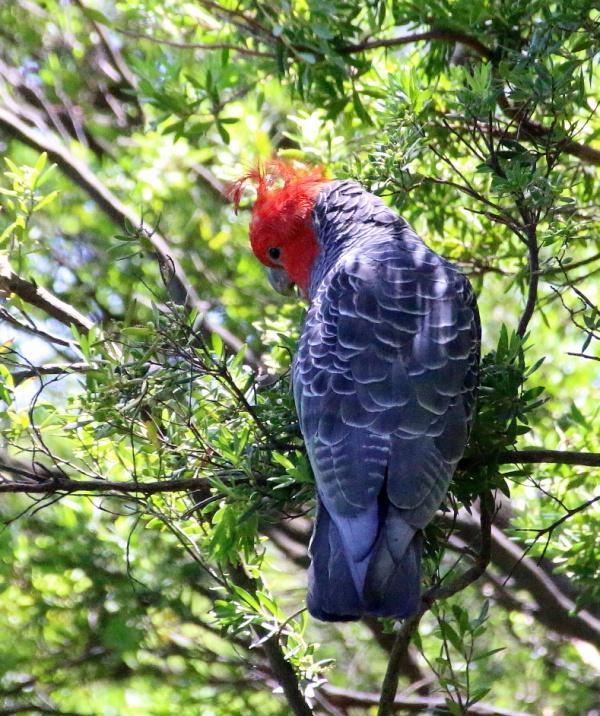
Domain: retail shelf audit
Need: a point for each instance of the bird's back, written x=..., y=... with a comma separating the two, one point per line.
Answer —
x=384, y=383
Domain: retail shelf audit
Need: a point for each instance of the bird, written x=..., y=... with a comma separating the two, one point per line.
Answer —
x=384, y=379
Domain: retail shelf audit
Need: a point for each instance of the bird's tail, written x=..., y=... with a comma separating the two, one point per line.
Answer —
x=332, y=594
x=345, y=583
x=393, y=581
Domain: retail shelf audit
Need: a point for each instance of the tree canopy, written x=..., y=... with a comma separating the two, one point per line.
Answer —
x=156, y=496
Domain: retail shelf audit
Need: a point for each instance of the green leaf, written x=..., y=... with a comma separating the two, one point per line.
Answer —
x=223, y=132
x=46, y=200
x=360, y=110
x=247, y=597
x=40, y=163
x=478, y=694
x=96, y=16
x=487, y=654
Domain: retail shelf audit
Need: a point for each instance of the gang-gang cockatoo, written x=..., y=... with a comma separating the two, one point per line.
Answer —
x=384, y=379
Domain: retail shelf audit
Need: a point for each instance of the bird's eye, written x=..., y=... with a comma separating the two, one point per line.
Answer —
x=274, y=253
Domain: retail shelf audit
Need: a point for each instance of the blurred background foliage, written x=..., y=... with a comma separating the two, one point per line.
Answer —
x=156, y=497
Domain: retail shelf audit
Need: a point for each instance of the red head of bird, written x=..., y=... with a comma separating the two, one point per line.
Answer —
x=282, y=235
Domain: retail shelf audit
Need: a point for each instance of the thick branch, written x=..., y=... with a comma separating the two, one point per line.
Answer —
x=36, y=709
x=534, y=278
x=61, y=484
x=446, y=35
x=36, y=371
x=556, y=457
x=286, y=677
x=39, y=297
x=35, y=479
x=389, y=687
x=533, y=456
x=101, y=487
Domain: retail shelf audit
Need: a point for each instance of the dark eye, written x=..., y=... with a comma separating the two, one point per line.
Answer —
x=274, y=253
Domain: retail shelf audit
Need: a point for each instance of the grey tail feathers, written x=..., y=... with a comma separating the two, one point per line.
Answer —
x=391, y=586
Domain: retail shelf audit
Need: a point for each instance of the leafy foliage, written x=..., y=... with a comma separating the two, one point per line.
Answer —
x=152, y=555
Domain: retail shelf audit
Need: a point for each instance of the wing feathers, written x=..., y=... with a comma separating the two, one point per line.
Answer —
x=384, y=382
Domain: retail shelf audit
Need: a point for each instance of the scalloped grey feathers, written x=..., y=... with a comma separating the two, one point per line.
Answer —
x=384, y=384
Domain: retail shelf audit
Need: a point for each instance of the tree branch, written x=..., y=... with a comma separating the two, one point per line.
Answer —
x=39, y=297
x=62, y=484
x=389, y=687
x=100, y=487
x=409, y=666
x=240, y=49
x=37, y=479
x=281, y=668
x=37, y=371
x=555, y=457
x=112, y=52
x=528, y=129
x=445, y=35
x=286, y=677
x=36, y=709
x=34, y=330
x=347, y=698
x=534, y=278
x=390, y=681
x=557, y=523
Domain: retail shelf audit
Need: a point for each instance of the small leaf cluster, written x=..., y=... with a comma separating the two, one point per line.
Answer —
x=504, y=406
x=21, y=197
x=458, y=635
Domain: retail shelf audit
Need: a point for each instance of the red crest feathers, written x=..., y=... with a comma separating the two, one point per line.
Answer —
x=286, y=194
x=274, y=175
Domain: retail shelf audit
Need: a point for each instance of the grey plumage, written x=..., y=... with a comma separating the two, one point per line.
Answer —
x=384, y=384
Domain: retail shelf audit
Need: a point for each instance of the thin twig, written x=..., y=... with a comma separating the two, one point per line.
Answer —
x=568, y=514
x=555, y=599
x=181, y=44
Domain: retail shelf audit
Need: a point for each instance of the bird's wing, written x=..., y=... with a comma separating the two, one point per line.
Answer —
x=384, y=383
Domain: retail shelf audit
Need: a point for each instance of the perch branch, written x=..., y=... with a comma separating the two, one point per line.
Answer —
x=39, y=297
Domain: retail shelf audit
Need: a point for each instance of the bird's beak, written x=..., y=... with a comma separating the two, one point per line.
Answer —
x=280, y=281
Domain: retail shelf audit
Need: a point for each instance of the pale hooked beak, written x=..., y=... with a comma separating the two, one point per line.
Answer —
x=280, y=281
